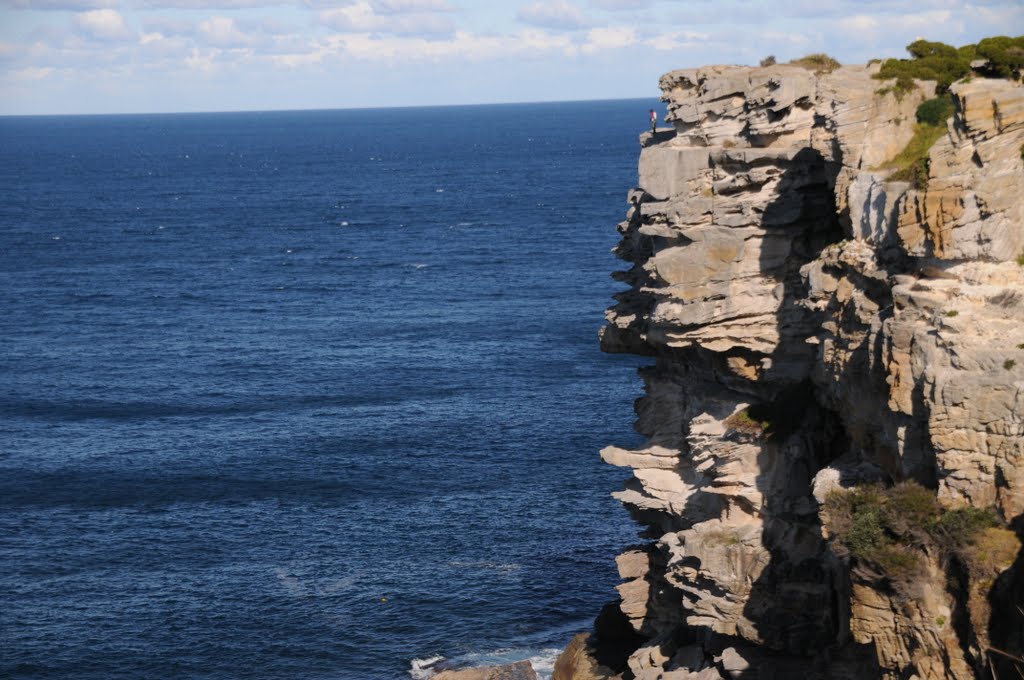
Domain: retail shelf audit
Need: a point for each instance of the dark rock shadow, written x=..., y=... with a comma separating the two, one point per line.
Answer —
x=1006, y=625
x=799, y=604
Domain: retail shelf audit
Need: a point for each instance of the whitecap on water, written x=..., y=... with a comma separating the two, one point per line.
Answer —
x=542, y=660
x=421, y=669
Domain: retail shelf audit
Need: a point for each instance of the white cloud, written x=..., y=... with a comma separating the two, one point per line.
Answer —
x=294, y=60
x=58, y=5
x=557, y=14
x=462, y=46
x=202, y=60
x=621, y=4
x=407, y=6
x=859, y=23
x=921, y=21
x=207, y=4
x=220, y=31
x=676, y=40
x=104, y=24
x=154, y=48
x=167, y=25
x=603, y=39
x=31, y=73
x=362, y=18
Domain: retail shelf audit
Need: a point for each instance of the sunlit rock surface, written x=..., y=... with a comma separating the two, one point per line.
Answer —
x=813, y=326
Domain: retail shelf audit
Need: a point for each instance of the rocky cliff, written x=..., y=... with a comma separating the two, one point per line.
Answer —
x=833, y=482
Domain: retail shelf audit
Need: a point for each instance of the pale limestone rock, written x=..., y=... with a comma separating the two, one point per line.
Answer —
x=813, y=326
x=667, y=172
x=971, y=208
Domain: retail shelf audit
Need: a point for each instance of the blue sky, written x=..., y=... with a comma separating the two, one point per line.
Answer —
x=117, y=56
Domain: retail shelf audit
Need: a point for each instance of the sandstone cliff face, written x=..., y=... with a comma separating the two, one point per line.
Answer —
x=813, y=326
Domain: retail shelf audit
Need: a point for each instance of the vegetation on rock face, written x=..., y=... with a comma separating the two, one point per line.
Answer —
x=818, y=62
x=890, y=530
x=724, y=537
x=768, y=61
x=911, y=164
x=744, y=422
x=903, y=85
x=935, y=111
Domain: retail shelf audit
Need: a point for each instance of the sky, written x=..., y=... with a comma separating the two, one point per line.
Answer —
x=129, y=56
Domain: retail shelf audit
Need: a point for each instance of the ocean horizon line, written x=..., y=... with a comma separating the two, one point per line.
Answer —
x=316, y=110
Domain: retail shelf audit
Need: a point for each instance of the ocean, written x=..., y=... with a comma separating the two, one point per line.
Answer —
x=309, y=394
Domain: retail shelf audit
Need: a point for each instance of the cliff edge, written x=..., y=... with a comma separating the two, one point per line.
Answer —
x=833, y=482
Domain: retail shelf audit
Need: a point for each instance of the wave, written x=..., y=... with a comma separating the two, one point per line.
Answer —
x=421, y=669
x=542, y=659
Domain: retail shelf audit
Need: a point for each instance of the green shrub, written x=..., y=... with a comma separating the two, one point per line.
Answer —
x=936, y=61
x=959, y=527
x=818, y=62
x=903, y=85
x=867, y=534
x=897, y=562
x=744, y=422
x=911, y=164
x=993, y=550
x=890, y=529
x=769, y=60
x=1005, y=55
x=910, y=511
x=935, y=111
x=951, y=313
x=1009, y=364
x=968, y=52
x=856, y=512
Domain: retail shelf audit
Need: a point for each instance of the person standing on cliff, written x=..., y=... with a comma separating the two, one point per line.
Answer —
x=654, y=120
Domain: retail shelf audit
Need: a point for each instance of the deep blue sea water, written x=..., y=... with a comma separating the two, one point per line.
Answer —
x=308, y=394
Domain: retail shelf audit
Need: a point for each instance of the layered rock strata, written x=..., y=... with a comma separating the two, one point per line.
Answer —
x=813, y=326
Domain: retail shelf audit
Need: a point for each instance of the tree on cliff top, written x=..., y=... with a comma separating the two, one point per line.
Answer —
x=1005, y=55
x=930, y=61
x=946, y=64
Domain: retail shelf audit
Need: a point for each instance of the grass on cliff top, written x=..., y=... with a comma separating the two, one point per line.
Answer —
x=890, y=530
x=818, y=62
